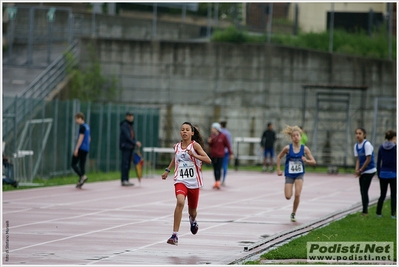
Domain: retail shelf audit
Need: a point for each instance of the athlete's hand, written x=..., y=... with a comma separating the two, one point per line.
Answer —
x=279, y=173
x=188, y=151
x=164, y=175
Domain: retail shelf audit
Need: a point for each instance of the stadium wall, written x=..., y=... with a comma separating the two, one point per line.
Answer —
x=249, y=85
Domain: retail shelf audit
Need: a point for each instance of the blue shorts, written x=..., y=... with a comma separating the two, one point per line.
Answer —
x=269, y=151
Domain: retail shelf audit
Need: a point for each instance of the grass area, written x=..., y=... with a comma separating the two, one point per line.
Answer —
x=359, y=43
x=101, y=176
x=352, y=228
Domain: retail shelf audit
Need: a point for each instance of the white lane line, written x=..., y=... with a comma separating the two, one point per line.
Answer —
x=87, y=233
x=118, y=226
x=81, y=215
x=128, y=251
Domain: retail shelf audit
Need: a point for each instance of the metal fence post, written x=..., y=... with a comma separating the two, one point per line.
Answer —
x=208, y=25
x=88, y=123
x=70, y=27
x=296, y=20
x=269, y=22
x=55, y=134
x=41, y=139
x=154, y=21
x=330, y=45
x=99, y=141
x=389, y=32
x=67, y=135
x=11, y=16
x=108, y=141
x=370, y=22
x=216, y=14
x=30, y=36
x=50, y=41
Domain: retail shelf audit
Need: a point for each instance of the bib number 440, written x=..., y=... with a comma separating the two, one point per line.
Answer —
x=187, y=173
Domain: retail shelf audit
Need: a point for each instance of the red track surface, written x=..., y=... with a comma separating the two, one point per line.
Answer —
x=107, y=224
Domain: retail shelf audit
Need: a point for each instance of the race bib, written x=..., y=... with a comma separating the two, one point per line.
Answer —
x=186, y=170
x=295, y=167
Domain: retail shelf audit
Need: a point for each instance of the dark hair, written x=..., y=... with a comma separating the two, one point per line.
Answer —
x=390, y=134
x=197, y=135
x=268, y=125
x=223, y=124
x=361, y=129
x=80, y=116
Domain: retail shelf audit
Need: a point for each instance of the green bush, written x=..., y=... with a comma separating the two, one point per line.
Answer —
x=89, y=84
x=358, y=43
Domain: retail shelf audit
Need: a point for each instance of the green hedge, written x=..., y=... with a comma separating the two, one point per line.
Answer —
x=343, y=42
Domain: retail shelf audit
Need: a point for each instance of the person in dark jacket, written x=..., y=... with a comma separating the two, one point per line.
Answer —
x=267, y=144
x=386, y=171
x=127, y=142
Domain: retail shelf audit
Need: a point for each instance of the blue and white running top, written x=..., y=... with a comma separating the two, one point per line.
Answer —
x=294, y=166
x=362, y=151
x=188, y=170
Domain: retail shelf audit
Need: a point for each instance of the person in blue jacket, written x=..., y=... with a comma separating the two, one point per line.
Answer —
x=127, y=142
x=296, y=156
x=365, y=166
x=82, y=148
x=386, y=171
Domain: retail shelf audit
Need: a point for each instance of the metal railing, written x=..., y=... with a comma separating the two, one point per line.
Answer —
x=39, y=89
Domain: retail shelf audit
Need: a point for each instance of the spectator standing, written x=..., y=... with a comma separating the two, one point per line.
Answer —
x=386, y=171
x=267, y=144
x=217, y=143
x=127, y=143
x=82, y=148
x=365, y=166
x=304, y=138
x=225, y=164
x=8, y=174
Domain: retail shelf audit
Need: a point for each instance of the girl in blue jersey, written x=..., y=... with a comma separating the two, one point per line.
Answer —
x=82, y=148
x=296, y=156
x=187, y=161
x=365, y=166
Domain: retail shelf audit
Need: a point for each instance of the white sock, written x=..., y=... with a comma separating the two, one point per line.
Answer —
x=175, y=233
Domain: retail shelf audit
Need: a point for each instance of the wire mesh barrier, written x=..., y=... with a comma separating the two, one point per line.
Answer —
x=50, y=136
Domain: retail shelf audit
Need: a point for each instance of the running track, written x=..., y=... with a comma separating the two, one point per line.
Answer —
x=107, y=224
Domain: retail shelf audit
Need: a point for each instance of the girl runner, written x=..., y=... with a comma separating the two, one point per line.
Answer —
x=188, y=159
x=365, y=166
x=296, y=155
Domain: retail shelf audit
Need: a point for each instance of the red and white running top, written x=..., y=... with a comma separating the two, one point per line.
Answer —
x=188, y=170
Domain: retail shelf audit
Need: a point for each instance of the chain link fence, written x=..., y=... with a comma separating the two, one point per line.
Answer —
x=43, y=145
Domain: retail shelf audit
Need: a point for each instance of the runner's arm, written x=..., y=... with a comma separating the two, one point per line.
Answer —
x=171, y=164
x=279, y=156
x=202, y=156
x=311, y=160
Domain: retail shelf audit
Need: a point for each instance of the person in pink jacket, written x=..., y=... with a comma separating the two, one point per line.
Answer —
x=217, y=143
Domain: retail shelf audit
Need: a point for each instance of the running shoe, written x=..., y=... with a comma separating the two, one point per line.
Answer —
x=293, y=217
x=173, y=240
x=82, y=180
x=216, y=185
x=194, y=228
x=127, y=183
